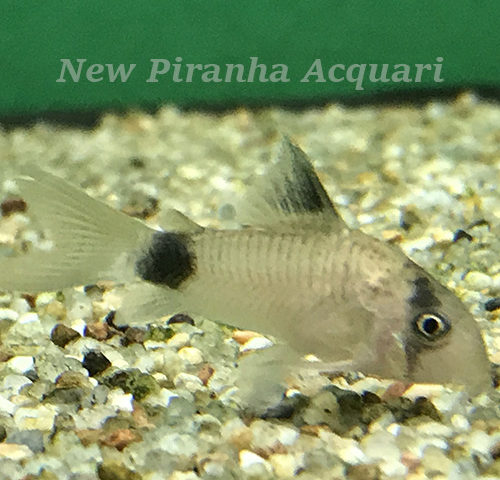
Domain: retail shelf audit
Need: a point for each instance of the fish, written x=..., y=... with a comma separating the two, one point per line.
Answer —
x=294, y=270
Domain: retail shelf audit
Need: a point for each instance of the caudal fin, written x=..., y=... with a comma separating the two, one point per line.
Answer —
x=91, y=241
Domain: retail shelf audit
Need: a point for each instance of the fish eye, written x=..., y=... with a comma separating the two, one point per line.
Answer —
x=431, y=326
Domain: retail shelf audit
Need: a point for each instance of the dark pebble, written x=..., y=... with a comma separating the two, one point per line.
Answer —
x=180, y=318
x=115, y=471
x=61, y=335
x=363, y=472
x=133, y=335
x=287, y=407
x=133, y=381
x=459, y=234
x=12, y=205
x=3, y=433
x=95, y=362
x=492, y=304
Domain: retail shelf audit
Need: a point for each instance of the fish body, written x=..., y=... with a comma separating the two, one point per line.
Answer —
x=295, y=271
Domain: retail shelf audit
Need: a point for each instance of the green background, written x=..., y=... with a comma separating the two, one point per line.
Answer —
x=36, y=35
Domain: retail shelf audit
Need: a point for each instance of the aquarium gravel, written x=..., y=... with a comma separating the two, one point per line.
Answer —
x=82, y=399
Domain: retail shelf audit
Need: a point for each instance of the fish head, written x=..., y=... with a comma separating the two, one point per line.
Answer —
x=441, y=339
x=420, y=331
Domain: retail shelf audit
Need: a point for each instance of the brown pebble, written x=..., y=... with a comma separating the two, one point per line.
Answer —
x=12, y=205
x=71, y=379
x=31, y=299
x=56, y=309
x=5, y=355
x=205, y=373
x=242, y=336
x=88, y=436
x=98, y=330
x=395, y=390
x=61, y=335
x=119, y=438
x=410, y=460
x=140, y=416
x=133, y=335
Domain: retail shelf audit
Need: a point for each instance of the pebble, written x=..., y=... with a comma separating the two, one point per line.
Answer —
x=460, y=423
x=179, y=340
x=191, y=355
x=268, y=435
x=243, y=336
x=8, y=314
x=121, y=401
x=39, y=418
x=434, y=461
x=380, y=445
x=286, y=465
x=33, y=439
x=12, y=384
x=21, y=364
x=29, y=317
x=190, y=382
x=478, y=280
x=347, y=449
x=95, y=362
x=249, y=460
x=256, y=343
x=61, y=335
x=15, y=452
x=6, y=406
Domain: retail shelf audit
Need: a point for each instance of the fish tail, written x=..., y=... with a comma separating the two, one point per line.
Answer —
x=90, y=240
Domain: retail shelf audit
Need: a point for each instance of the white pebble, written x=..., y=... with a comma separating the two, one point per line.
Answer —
x=190, y=382
x=29, y=317
x=45, y=298
x=121, y=401
x=191, y=355
x=346, y=449
x=6, y=406
x=480, y=442
x=249, y=459
x=286, y=465
x=8, y=314
x=12, y=384
x=478, y=281
x=266, y=435
x=179, y=340
x=256, y=343
x=422, y=243
x=39, y=418
x=21, y=364
x=381, y=446
x=14, y=451
x=460, y=423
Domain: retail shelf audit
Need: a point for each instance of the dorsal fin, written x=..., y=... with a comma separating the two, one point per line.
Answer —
x=289, y=196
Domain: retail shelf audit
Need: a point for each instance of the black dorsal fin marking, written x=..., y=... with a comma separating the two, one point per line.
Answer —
x=290, y=196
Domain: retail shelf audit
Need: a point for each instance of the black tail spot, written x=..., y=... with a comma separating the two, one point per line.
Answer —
x=169, y=260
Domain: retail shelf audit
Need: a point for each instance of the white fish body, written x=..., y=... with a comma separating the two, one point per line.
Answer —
x=298, y=273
